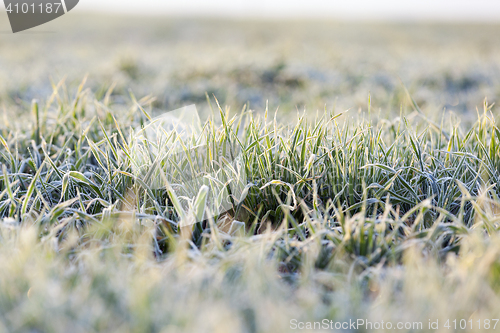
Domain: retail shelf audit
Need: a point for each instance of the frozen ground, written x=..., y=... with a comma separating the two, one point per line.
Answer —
x=291, y=64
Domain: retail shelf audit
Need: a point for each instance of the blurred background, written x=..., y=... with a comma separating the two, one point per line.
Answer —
x=446, y=10
x=295, y=55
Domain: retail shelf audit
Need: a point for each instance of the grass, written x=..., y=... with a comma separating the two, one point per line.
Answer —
x=344, y=218
x=290, y=63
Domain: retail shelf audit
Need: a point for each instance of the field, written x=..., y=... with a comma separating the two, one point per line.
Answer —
x=358, y=165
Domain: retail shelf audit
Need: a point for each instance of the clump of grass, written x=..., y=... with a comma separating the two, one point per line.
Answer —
x=348, y=214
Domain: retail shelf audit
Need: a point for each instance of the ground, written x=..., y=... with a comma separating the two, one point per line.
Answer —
x=357, y=163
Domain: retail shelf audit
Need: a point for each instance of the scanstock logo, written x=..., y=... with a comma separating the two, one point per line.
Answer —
x=203, y=180
x=26, y=14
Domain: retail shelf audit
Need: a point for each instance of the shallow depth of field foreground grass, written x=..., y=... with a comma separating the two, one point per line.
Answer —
x=393, y=220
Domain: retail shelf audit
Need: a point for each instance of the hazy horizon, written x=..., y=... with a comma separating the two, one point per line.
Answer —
x=392, y=10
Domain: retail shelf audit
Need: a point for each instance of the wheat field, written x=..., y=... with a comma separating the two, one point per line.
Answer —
x=367, y=166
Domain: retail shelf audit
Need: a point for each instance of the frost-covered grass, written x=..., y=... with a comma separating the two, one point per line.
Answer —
x=346, y=218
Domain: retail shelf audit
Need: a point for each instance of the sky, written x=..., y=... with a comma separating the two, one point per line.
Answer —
x=400, y=10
